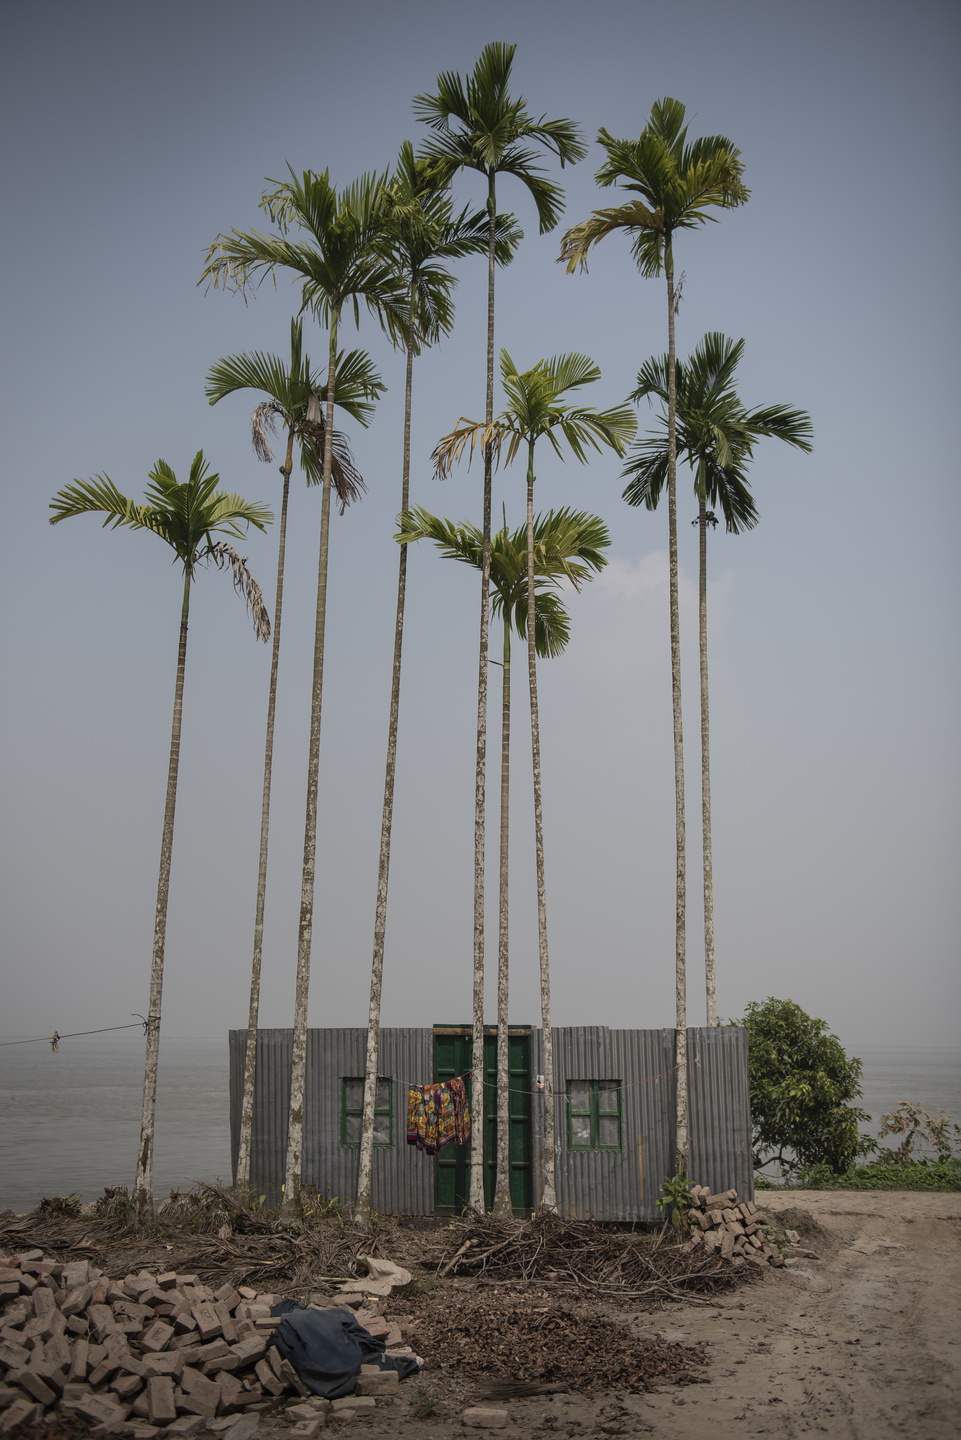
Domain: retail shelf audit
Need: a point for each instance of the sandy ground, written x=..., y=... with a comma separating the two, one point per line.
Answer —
x=863, y=1343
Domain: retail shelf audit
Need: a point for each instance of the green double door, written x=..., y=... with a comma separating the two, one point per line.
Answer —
x=453, y=1049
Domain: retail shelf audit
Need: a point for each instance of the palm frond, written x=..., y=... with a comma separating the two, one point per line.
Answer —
x=568, y=545
x=99, y=495
x=186, y=515
x=263, y=426
x=245, y=585
x=715, y=434
x=471, y=435
x=677, y=185
x=478, y=126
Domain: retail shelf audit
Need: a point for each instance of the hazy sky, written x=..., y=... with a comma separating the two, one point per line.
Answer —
x=135, y=133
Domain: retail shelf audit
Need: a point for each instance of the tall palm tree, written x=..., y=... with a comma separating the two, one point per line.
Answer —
x=566, y=545
x=422, y=234
x=678, y=183
x=294, y=397
x=188, y=517
x=716, y=436
x=479, y=126
x=329, y=241
x=536, y=409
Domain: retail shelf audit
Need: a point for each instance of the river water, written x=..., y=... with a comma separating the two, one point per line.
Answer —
x=69, y=1122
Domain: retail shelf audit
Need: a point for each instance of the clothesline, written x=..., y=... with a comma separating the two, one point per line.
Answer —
x=633, y=1085
x=54, y=1040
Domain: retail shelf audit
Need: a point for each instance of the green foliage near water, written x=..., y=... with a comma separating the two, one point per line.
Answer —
x=801, y=1083
x=882, y=1175
x=928, y=1158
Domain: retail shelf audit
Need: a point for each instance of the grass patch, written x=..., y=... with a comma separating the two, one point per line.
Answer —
x=423, y=1405
x=943, y=1175
x=421, y=1285
x=58, y=1205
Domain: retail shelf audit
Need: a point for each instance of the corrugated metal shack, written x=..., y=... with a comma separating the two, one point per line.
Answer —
x=615, y=1098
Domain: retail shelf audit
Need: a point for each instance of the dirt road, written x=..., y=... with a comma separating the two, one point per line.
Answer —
x=863, y=1343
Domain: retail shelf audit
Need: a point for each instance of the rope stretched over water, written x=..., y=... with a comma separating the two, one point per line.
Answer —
x=54, y=1040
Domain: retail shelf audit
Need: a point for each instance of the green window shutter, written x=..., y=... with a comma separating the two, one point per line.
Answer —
x=352, y=1110
x=594, y=1114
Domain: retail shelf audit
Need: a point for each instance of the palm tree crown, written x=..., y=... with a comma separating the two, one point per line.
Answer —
x=187, y=516
x=677, y=182
x=496, y=132
x=534, y=410
x=422, y=233
x=337, y=261
x=295, y=395
x=568, y=545
x=716, y=435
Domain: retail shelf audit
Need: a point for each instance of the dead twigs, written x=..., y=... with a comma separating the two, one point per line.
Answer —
x=583, y=1255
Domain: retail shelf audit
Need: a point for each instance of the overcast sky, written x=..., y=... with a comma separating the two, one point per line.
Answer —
x=133, y=134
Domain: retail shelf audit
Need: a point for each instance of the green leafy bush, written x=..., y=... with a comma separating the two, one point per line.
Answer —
x=934, y=1134
x=801, y=1084
x=674, y=1200
x=883, y=1175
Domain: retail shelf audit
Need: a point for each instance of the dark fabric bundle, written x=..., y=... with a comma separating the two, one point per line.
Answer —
x=328, y=1347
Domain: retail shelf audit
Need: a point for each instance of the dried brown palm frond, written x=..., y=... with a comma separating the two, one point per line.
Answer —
x=471, y=435
x=263, y=424
x=344, y=475
x=244, y=583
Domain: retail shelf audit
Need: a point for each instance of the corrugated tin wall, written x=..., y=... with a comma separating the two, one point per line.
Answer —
x=623, y=1184
x=403, y=1178
x=720, y=1110
x=620, y=1184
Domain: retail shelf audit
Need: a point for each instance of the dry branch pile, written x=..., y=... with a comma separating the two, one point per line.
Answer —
x=206, y=1232
x=585, y=1256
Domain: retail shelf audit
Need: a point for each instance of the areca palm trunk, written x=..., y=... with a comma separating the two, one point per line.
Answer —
x=295, y=1127
x=502, y=1190
x=682, y=1146
x=548, y=1197
x=253, y=1016
x=143, y=1185
x=476, y=1197
x=362, y=1208
x=702, y=523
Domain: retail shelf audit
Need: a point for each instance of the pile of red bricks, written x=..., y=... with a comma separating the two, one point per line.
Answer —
x=731, y=1228
x=156, y=1353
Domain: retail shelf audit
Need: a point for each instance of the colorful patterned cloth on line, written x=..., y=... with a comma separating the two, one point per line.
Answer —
x=438, y=1115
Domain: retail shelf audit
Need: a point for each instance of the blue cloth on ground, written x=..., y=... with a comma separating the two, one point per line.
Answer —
x=328, y=1347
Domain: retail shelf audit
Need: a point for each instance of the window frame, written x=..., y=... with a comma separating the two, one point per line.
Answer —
x=348, y=1111
x=595, y=1114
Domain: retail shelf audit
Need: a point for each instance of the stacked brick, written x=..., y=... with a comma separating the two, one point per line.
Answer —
x=731, y=1228
x=154, y=1353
